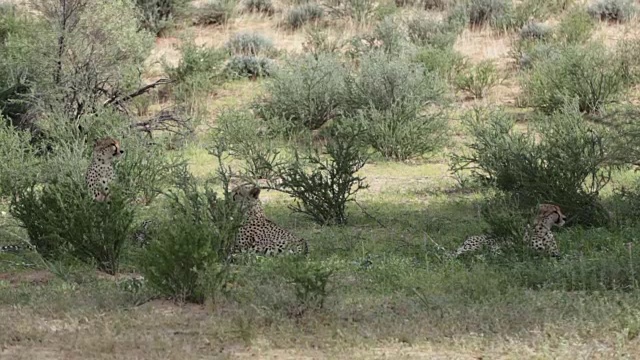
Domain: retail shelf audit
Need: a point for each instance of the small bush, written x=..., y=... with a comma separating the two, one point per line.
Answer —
x=384, y=80
x=157, y=16
x=590, y=74
x=568, y=165
x=303, y=14
x=359, y=10
x=18, y=158
x=429, y=32
x=478, y=79
x=249, y=67
x=199, y=70
x=535, y=31
x=487, y=12
x=187, y=257
x=215, y=12
x=63, y=219
x=310, y=282
x=198, y=63
x=391, y=36
x=249, y=44
x=612, y=10
x=259, y=6
x=446, y=63
x=575, y=27
x=318, y=42
x=439, y=5
x=628, y=53
x=323, y=192
x=305, y=93
x=531, y=53
x=246, y=139
x=405, y=130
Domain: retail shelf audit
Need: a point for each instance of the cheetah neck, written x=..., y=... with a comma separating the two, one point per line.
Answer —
x=255, y=212
x=101, y=159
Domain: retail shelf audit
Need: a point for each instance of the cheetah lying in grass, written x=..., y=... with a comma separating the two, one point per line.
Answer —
x=541, y=240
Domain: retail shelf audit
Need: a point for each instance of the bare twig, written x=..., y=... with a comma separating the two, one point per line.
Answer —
x=142, y=90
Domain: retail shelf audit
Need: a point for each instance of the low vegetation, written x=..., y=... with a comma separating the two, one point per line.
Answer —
x=382, y=133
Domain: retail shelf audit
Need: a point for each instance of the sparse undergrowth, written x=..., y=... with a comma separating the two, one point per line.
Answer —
x=378, y=270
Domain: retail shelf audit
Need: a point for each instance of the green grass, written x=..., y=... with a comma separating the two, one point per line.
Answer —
x=391, y=284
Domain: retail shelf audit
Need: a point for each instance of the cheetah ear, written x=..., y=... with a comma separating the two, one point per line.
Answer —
x=255, y=192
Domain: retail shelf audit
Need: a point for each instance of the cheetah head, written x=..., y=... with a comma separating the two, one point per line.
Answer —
x=551, y=215
x=248, y=196
x=107, y=148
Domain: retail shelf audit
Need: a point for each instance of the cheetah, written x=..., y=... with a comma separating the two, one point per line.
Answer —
x=542, y=239
x=16, y=248
x=259, y=234
x=100, y=173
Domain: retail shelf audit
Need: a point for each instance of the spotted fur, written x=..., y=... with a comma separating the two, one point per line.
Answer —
x=16, y=248
x=100, y=172
x=259, y=234
x=540, y=238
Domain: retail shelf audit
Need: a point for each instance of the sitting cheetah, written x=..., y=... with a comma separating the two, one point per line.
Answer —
x=100, y=173
x=259, y=234
x=541, y=240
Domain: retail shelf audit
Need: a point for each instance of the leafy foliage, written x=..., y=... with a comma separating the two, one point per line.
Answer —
x=303, y=14
x=64, y=219
x=157, y=16
x=405, y=130
x=478, y=79
x=304, y=93
x=323, y=192
x=591, y=74
x=568, y=166
x=215, y=12
x=429, y=32
x=612, y=10
x=186, y=258
x=249, y=67
x=249, y=44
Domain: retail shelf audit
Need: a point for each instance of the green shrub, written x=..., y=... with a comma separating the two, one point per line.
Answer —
x=303, y=14
x=487, y=12
x=259, y=6
x=157, y=16
x=187, y=257
x=590, y=74
x=429, y=32
x=323, y=187
x=305, y=93
x=478, y=79
x=528, y=54
x=446, y=63
x=318, y=42
x=215, y=12
x=391, y=36
x=575, y=27
x=249, y=67
x=405, y=130
x=246, y=139
x=628, y=53
x=63, y=219
x=612, y=10
x=249, y=44
x=18, y=158
x=310, y=282
x=199, y=70
x=359, y=10
x=384, y=80
x=569, y=164
x=439, y=5
x=537, y=31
